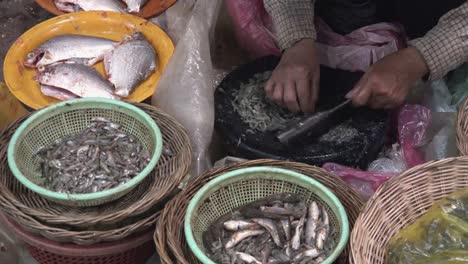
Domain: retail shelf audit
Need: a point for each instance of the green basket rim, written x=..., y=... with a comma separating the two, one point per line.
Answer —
x=342, y=216
x=88, y=196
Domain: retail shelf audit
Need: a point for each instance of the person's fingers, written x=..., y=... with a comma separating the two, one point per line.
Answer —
x=379, y=102
x=304, y=89
x=277, y=96
x=315, y=91
x=290, y=97
x=269, y=88
x=361, y=93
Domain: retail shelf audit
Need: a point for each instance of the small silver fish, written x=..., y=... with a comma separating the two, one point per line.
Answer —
x=247, y=258
x=270, y=226
x=236, y=225
x=266, y=253
x=285, y=223
x=310, y=253
x=78, y=48
x=296, y=240
x=77, y=79
x=130, y=63
x=134, y=6
x=89, y=5
x=312, y=222
x=321, y=238
x=281, y=211
x=319, y=259
x=237, y=237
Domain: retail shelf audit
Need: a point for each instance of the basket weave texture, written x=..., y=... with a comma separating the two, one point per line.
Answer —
x=169, y=235
x=136, y=249
x=400, y=202
x=462, y=128
x=109, y=222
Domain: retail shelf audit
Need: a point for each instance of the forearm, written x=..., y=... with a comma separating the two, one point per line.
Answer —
x=293, y=20
x=445, y=47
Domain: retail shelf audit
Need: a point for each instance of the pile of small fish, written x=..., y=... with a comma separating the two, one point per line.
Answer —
x=64, y=63
x=100, y=157
x=278, y=229
x=256, y=110
x=131, y=6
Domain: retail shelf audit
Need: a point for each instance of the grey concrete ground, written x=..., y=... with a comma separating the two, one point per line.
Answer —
x=17, y=16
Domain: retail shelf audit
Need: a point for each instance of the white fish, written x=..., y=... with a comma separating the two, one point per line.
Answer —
x=58, y=93
x=89, y=5
x=312, y=223
x=241, y=235
x=78, y=48
x=296, y=240
x=234, y=225
x=134, y=6
x=78, y=79
x=247, y=258
x=310, y=253
x=130, y=63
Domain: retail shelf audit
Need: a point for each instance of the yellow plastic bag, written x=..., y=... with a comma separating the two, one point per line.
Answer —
x=439, y=236
x=10, y=107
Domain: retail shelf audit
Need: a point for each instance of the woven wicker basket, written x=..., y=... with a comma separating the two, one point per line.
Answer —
x=399, y=202
x=136, y=249
x=462, y=128
x=169, y=236
x=106, y=223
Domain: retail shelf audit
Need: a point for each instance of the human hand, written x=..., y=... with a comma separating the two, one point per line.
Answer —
x=295, y=81
x=387, y=82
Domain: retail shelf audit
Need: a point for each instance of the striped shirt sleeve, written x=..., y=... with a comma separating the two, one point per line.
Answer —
x=293, y=20
x=445, y=47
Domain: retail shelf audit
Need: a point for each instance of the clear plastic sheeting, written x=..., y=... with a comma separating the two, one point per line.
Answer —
x=458, y=84
x=439, y=236
x=441, y=137
x=390, y=161
x=438, y=98
x=186, y=88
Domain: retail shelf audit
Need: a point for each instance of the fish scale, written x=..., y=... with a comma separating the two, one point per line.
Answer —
x=130, y=63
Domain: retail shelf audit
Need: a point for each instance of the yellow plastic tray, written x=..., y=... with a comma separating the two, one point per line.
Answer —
x=115, y=26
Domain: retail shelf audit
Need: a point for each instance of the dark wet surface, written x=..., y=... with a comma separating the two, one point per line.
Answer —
x=17, y=16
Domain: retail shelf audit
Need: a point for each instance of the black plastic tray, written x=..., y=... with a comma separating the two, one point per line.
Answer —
x=334, y=84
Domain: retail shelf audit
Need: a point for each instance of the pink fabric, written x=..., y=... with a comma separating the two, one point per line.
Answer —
x=354, y=52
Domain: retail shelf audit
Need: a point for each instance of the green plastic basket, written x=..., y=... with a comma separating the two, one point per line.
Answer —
x=70, y=117
x=239, y=187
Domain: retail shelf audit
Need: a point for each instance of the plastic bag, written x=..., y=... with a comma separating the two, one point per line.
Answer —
x=438, y=98
x=355, y=51
x=359, y=49
x=458, y=84
x=253, y=27
x=365, y=183
x=439, y=236
x=186, y=88
x=391, y=161
x=413, y=121
x=441, y=139
x=174, y=20
x=10, y=107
